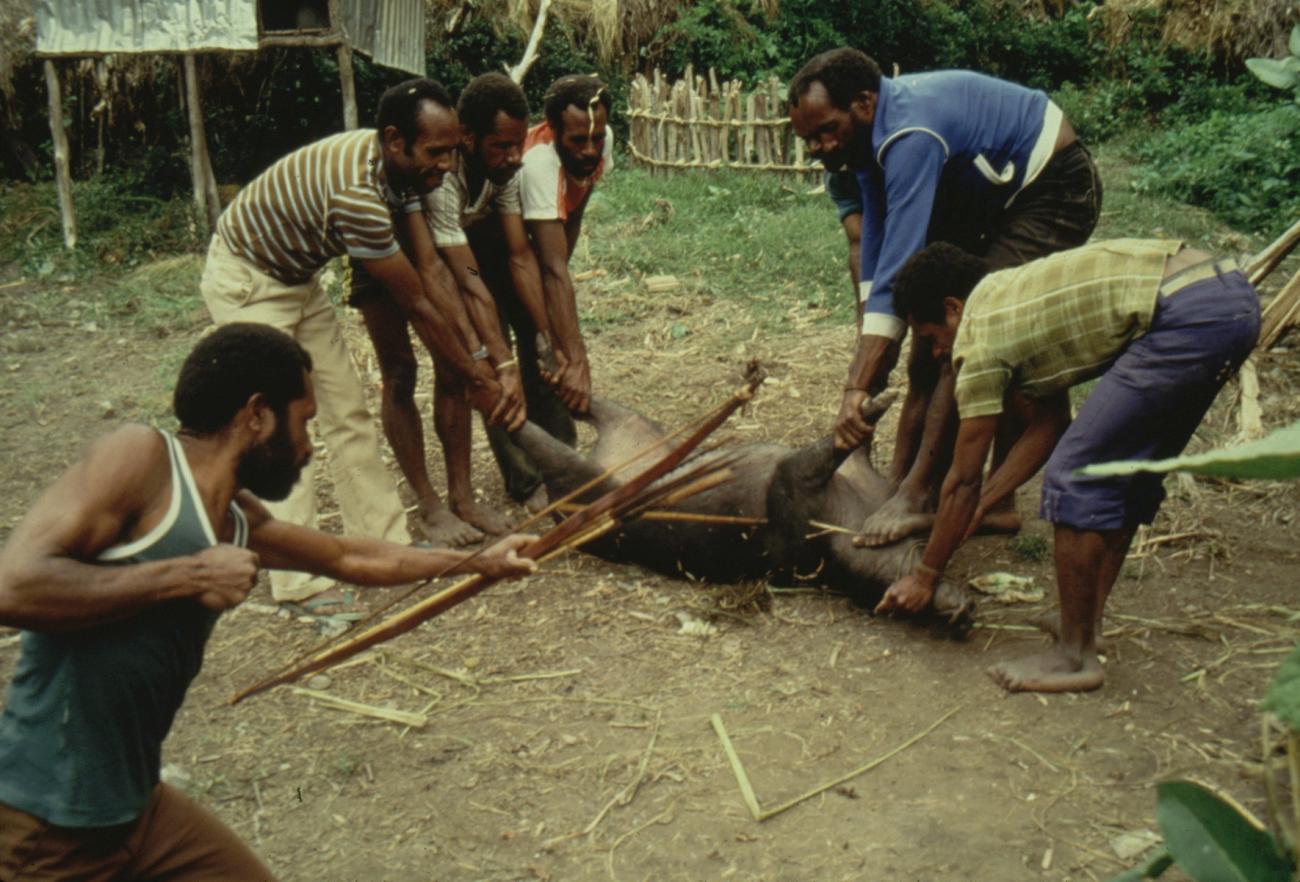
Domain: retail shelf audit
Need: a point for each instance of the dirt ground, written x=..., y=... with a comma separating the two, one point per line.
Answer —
x=567, y=732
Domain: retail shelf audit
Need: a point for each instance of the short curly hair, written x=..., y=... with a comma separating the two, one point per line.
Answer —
x=399, y=106
x=576, y=90
x=931, y=274
x=844, y=73
x=231, y=365
x=485, y=97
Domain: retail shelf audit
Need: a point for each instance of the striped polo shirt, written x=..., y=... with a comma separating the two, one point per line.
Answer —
x=320, y=201
x=1055, y=321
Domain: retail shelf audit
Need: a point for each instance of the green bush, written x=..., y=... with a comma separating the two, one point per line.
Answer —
x=1245, y=167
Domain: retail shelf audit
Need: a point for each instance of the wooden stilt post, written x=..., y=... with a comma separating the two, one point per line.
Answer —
x=206, y=199
x=348, y=85
x=62, y=174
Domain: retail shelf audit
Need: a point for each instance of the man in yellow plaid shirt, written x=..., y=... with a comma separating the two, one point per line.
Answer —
x=1161, y=325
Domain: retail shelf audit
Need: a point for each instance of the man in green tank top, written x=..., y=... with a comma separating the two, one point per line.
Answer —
x=117, y=576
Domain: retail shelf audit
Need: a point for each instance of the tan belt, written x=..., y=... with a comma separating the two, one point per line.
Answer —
x=1197, y=272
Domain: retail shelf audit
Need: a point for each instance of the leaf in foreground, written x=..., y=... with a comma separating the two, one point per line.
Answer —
x=1273, y=457
x=1213, y=840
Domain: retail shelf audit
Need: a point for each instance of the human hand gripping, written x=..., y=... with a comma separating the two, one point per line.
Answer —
x=502, y=561
x=514, y=412
x=573, y=384
x=850, y=427
x=223, y=576
x=910, y=594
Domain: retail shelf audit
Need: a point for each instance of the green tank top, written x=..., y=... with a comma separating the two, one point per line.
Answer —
x=83, y=724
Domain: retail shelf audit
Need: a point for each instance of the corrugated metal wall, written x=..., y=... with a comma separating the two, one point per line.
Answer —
x=85, y=27
x=389, y=31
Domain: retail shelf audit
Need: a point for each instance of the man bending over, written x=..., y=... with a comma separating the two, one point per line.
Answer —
x=1163, y=326
x=950, y=156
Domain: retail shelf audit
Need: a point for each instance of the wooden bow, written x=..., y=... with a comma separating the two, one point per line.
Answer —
x=592, y=521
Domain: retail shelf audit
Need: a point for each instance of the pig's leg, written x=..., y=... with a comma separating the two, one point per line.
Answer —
x=796, y=496
x=563, y=468
x=868, y=571
x=621, y=433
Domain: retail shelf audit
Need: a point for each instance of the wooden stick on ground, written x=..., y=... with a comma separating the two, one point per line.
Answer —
x=562, y=536
x=747, y=791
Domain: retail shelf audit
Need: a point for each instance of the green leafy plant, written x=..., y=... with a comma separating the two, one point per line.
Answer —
x=1273, y=457
x=1281, y=73
x=1213, y=839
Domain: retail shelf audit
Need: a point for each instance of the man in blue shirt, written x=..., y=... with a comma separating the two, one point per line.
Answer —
x=954, y=156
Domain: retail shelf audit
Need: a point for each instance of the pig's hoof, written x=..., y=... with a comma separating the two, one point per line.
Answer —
x=537, y=500
x=953, y=606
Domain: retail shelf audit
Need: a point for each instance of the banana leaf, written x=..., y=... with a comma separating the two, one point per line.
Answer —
x=1273, y=457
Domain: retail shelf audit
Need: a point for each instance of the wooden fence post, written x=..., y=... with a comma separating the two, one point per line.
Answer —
x=348, y=85
x=62, y=174
x=206, y=199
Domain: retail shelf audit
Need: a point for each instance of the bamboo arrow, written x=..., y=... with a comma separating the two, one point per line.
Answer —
x=594, y=520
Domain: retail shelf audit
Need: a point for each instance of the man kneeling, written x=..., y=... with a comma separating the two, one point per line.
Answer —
x=117, y=576
x=1163, y=327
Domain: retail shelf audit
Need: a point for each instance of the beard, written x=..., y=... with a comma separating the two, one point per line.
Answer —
x=271, y=468
x=577, y=167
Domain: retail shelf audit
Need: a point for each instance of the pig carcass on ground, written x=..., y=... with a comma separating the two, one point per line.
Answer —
x=785, y=489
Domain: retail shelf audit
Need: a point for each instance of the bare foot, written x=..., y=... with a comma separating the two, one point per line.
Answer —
x=486, y=519
x=897, y=518
x=538, y=500
x=1050, y=623
x=1051, y=671
x=442, y=528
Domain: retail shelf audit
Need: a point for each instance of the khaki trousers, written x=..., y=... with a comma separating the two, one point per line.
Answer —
x=237, y=291
x=174, y=839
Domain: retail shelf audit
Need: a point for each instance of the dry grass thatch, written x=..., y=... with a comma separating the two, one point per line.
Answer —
x=1233, y=28
x=17, y=40
x=617, y=28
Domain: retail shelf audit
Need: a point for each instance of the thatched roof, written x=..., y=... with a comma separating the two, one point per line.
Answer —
x=1233, y=28
x=17, y=39
x=616, y=28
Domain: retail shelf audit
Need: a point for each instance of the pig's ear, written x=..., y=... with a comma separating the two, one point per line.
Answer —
x=874, y=408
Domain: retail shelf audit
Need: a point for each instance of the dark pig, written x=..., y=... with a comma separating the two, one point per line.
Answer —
x=786, y=489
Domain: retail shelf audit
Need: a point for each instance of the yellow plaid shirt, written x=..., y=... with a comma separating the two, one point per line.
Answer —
x=1055, y=322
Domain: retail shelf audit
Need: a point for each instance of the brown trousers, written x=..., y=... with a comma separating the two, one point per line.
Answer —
x=174, y=839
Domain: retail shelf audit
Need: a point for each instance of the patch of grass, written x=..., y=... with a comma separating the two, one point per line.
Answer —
x=1127, y=212
x=772, y=245
x=1030, y=547
x=136, y=258
x=117, y=229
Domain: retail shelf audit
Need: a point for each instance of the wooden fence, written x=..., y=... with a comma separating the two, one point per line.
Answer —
x=699, y=123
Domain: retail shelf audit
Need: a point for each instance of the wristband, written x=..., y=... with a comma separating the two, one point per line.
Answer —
x=855, y=389
x=927, y=570
x=480, y=353
x=508, y=363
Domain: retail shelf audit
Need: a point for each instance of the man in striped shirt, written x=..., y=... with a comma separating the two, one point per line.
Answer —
x=327, y=199
x=1162, y=326
x=478, y=198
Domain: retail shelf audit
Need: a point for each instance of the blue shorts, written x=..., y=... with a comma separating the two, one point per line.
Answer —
x=1152, y=397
